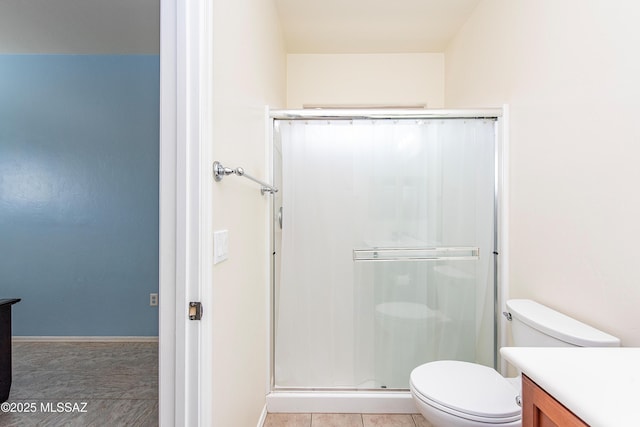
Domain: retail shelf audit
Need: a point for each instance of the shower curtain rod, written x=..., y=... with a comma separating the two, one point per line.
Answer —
x=220, y=172
x=346, y=114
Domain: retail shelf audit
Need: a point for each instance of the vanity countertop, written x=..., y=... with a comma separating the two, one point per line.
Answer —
x=599, y=385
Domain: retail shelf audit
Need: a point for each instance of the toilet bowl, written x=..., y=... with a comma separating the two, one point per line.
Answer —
x=461, y=394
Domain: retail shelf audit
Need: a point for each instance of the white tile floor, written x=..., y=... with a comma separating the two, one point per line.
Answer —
x=346, y=420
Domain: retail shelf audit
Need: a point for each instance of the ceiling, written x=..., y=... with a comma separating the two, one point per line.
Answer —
x=371, y=26
x=309, y=26
x=80, y=26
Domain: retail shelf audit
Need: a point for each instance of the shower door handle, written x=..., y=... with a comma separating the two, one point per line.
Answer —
x=280, y=217
x=447, y=253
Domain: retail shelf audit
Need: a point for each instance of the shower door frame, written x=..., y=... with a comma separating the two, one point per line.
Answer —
x=285, y=399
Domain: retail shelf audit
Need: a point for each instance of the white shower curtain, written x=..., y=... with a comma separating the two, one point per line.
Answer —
x=358, y=184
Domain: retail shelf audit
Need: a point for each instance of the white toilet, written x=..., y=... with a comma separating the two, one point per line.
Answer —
x=460, y=394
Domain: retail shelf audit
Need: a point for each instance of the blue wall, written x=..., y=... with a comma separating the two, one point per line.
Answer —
x=79, y=138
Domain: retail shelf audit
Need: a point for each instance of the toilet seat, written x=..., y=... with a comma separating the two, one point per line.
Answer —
x=467, y=390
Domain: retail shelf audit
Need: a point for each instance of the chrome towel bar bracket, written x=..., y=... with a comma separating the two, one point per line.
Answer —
x=220, y=172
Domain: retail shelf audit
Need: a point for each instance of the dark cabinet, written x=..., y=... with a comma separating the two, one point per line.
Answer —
x=5, y=347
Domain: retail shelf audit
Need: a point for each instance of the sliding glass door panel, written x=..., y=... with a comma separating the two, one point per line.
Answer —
x=385, y=256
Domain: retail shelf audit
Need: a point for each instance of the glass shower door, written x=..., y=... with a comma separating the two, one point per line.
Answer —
x=384, y=260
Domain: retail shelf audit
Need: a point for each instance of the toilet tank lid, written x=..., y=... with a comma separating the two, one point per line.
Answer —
x=558, y=325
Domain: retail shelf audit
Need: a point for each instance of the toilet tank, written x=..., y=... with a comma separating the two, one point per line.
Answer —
x=535, y=325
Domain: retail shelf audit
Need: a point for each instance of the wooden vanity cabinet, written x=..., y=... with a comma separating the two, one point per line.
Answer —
x=540, y=409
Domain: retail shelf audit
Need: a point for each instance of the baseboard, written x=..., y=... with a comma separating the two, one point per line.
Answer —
x=56, y=338
x=263, y=416
x=388, y=402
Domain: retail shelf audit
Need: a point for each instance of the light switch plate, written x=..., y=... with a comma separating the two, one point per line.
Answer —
x=220, y=246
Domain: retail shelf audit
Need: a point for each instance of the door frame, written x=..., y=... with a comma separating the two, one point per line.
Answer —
x=185, y=386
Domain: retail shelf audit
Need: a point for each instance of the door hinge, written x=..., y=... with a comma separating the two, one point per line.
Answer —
x=195, y=310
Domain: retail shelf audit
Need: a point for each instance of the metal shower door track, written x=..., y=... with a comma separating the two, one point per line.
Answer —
x=349, y=114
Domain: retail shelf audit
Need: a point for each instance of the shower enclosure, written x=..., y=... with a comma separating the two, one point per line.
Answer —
x=384, y=246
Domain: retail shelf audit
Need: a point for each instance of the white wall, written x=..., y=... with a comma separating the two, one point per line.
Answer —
x=249, y=73
x=365, y=79
x=569, y=71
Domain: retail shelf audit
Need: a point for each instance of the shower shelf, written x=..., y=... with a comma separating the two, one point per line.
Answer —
x=416, y=254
